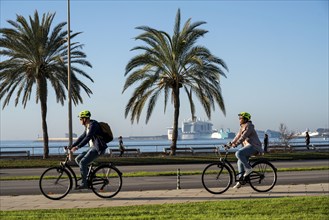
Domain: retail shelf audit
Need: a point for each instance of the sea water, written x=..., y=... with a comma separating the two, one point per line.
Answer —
x=56, y=147
x=158, y=145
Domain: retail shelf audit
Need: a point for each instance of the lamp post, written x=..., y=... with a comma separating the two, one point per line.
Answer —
x=69, y=74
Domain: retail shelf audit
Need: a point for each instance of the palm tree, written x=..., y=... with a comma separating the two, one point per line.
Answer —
x=168, y=64
x=38, y=57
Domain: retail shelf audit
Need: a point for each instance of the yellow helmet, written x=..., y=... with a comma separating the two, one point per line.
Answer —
x=84, y=114
x=245, y=115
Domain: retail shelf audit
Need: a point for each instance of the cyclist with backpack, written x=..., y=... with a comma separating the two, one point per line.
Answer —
x=92, y=136
x=247, y=136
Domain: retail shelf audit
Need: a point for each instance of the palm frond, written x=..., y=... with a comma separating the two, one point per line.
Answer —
x=167, y=63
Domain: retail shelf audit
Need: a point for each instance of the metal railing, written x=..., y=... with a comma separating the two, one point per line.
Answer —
x=159, y=148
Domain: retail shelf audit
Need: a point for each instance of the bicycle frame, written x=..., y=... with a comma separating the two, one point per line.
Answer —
x=228, y=163
x=98, y=180
x=71, y=171
x=65, y=165
x=224, y=160
x=215, y=181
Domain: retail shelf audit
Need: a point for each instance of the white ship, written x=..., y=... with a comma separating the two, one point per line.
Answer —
x=221, y=134
x=195, y=128
x=59, y=139
x=198, y=129
x=169, y=133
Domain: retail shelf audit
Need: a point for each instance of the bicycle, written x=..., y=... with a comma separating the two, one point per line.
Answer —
x=217, y=177
x=105, y=180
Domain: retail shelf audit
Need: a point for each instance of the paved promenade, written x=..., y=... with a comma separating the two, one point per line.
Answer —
x=130, y=198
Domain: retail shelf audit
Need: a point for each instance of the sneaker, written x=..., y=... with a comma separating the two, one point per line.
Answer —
x=237, y=186
x=247, y=172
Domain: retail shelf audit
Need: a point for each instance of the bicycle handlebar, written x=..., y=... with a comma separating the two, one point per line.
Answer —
x=226, y=147
x=68, y=152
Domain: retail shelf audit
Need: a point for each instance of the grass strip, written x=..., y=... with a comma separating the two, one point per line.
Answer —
x=314, y=207
x=157, y=159
x=165, y=173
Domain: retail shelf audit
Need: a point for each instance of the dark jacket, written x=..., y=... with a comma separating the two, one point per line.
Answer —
x=94, y=134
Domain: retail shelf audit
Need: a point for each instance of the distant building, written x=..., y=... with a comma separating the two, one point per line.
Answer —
x=323, y=132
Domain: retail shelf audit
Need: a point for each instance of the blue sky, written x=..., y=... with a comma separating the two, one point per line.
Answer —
x=276, y=51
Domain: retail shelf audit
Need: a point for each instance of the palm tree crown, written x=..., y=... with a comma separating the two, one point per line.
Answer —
x=170, y=63
x=37, y=56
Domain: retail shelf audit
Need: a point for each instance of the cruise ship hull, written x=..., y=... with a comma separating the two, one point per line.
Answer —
x=197, y=129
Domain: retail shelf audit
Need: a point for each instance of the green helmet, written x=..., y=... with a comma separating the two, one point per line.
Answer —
x=245, y=115
x=84, y=114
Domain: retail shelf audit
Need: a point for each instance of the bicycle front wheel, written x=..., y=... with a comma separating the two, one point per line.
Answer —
x=216, y=178
x=106, y=181
x=55, y=183
x=263, y=178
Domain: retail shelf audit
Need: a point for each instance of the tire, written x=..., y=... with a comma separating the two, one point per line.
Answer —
x=264, y=177
x=55, y=183
x=216, y=178
x=106, y=181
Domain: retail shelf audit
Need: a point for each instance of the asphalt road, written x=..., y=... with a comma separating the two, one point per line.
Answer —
x=167, y=182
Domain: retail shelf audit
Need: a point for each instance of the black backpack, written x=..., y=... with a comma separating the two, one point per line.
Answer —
x=107, y=134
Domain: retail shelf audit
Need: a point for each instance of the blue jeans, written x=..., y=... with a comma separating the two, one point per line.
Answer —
x=83, y=160
x=243, y=157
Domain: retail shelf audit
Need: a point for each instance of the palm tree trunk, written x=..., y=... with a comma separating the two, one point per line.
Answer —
x=173, y=146
x=42, y=87
x=44, y=130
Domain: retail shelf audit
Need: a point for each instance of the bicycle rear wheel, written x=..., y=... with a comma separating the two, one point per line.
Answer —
x=263, y=178
x=216, y=178
x=55, y=183
x=106, y=181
